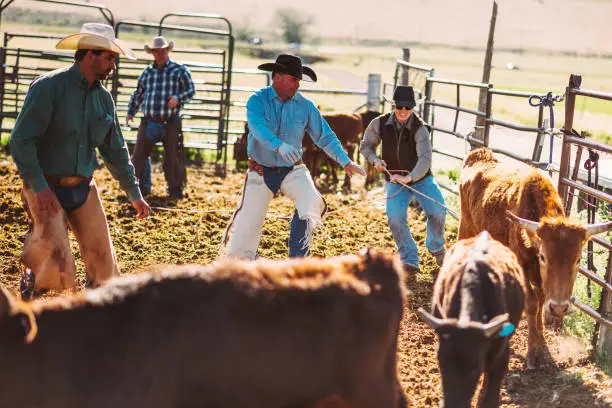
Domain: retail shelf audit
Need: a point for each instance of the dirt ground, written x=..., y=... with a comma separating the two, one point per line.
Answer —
x=189, y=231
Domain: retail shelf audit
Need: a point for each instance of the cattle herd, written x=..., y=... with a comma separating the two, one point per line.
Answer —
x=308, y=332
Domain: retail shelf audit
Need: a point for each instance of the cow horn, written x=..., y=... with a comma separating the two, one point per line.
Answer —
x=430, y=319
x=26, y=312
x=595, y=229
x=527, y=224
x=494, y=324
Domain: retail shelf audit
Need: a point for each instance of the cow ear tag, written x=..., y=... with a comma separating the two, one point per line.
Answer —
x=506, y=330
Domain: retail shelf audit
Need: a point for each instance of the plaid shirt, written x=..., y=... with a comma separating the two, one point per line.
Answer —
x=156, y=86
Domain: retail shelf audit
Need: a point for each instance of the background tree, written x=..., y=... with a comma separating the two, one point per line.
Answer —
x=293, y=25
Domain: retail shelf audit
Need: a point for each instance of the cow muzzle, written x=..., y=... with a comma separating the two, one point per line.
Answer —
x=558, y=309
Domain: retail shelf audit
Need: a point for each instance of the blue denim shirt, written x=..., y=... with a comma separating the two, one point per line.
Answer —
x=272, y=121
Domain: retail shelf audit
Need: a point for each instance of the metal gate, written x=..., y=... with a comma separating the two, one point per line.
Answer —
x=20, y=64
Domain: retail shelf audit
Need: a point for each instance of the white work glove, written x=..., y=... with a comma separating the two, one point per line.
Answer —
x=289, y=152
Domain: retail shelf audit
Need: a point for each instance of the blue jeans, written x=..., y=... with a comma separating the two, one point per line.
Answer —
x=273, y=177
x=145, y=181
x=397, y=213
x=296, y=235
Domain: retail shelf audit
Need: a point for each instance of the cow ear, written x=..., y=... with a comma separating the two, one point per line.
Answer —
x=497, y=325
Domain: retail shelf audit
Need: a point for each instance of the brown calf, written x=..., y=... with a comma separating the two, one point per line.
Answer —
x=522, y=209
x=478, y=300
x=300, y=333
x=349, y=128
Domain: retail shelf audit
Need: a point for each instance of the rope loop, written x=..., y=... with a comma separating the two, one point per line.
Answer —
x=592, y=161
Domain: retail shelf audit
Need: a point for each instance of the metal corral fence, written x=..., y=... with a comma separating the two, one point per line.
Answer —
x=215, y=117
x=570, y=177
x=568, y=183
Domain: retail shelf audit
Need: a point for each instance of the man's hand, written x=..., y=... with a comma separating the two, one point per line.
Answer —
x=289, y=152
x=172, y=102
x=379, y=165
x=142, y=208
x=128, y=119
x=396, y=178
x=47, y=204
x=351, y=168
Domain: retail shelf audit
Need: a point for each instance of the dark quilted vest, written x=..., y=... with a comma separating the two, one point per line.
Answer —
x=399, y=151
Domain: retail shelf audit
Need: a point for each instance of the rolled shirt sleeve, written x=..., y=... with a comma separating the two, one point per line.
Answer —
x=257, y=124
x=371, y=140
x=115, y=153
x=186, y=87
x=423, y=150
x=138, y=95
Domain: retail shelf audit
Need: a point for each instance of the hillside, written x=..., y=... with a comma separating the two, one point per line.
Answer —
x=578, y=26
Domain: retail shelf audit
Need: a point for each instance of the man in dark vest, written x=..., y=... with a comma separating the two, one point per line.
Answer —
x=406, y=155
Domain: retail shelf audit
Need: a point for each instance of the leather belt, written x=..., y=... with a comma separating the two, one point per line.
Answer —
x=158, y=119
x=258, y=168
x=65, y=182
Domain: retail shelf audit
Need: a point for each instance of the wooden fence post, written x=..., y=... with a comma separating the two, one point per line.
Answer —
x=604, y=344
x=406, y=57
x=486, y=76
x=373, y=102
x=566, y=149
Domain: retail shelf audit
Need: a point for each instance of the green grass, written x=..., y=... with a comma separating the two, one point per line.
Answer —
x=579, y=324
x=583, y=104
x=603, y=137
x=604, y=361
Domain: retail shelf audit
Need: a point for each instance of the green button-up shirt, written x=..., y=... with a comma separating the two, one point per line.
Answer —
x=60, y=125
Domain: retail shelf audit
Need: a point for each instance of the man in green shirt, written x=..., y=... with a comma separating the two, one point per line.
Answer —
x=66, y=115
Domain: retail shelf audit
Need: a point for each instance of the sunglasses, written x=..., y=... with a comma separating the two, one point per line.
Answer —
x=398, y=107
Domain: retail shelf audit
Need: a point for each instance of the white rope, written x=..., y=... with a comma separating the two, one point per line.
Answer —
x=451, y=212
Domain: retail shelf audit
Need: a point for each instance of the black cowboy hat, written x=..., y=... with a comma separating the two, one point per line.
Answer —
x=289, y=64
x=403, y=96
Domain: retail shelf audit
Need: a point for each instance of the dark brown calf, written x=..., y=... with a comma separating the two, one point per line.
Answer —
x=521, y=209
x=299, y=333
x=348, y=127
x=478, y=300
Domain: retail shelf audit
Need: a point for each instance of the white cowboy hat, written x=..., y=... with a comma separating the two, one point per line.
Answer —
x=95, y=36
x=159, y=42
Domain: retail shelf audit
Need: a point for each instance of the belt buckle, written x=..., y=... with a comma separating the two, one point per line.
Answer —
x=69, y=182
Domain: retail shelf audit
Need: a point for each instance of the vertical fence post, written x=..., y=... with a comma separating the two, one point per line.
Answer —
x=486, y=75
x=2, y=89
x=539, y=144
x=604, y=344
x=566, y=149
x=486, y=132
x=428, y=98
x=373, y=102
x=406, y=57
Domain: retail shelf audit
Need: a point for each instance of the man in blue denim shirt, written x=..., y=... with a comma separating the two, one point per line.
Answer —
x=278, y=116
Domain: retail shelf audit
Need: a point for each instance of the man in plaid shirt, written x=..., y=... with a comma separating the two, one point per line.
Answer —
x=163, y=87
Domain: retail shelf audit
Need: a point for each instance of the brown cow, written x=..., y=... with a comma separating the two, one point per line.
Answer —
x=298, y=333
x=349, y=128
x=478, y=300
x=547, y=244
